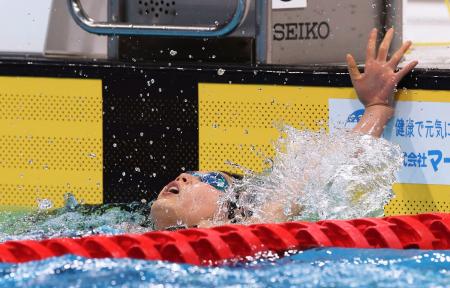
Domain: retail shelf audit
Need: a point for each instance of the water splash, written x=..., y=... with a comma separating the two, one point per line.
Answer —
x=313, y=176
x=316, y=175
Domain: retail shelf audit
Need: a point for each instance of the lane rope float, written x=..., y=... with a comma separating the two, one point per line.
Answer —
x=217, y=245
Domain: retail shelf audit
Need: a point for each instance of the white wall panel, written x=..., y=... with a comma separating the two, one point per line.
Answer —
x=427, y=21
x=23, y=25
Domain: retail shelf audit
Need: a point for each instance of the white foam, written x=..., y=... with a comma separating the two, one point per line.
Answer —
x=345, y=175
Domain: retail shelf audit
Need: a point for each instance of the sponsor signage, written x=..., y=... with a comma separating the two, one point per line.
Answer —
x=301, y=31
x=422, y=129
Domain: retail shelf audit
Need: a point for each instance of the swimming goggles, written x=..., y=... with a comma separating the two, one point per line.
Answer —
x=215, y=179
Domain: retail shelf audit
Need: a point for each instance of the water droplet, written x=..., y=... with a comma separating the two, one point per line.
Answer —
x=220, y=71
x=173, y=52
x=44, y=204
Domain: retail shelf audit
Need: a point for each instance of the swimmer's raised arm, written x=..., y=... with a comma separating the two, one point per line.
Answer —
x=375, y=87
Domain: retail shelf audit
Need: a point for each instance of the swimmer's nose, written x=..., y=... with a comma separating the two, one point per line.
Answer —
x=184, y=178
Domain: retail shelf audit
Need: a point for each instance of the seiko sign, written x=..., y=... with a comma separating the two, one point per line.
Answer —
x=321, y=32
x=301, y=31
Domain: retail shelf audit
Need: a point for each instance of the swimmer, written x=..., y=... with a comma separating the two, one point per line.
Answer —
x=191, y=200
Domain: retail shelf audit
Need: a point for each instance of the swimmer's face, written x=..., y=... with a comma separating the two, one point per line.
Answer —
x=186, y=200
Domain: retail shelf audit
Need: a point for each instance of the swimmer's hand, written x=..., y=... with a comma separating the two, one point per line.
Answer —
x=376, y=86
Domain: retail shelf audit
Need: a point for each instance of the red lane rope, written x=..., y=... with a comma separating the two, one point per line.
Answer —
x=218, y=244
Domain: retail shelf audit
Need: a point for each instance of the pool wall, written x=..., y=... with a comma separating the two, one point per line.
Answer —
x=157, y=121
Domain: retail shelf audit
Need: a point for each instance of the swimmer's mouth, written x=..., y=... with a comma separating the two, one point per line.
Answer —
x=173, y=188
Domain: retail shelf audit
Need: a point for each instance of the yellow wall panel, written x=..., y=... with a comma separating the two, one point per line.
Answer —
x=50, y=140
x=237, y=121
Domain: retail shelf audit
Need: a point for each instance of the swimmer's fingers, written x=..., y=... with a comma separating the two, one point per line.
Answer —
x=384, y=46
x=371, y=50
x=397, y=57
x=353, y=68
x=405, y=70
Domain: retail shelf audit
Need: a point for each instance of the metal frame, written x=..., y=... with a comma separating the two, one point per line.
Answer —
x=105, y=28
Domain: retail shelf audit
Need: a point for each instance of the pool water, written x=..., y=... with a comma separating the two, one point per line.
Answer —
x=312, y=268
x=75, y=220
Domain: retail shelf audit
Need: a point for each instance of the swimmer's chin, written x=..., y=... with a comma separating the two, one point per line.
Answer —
x=164, y=214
